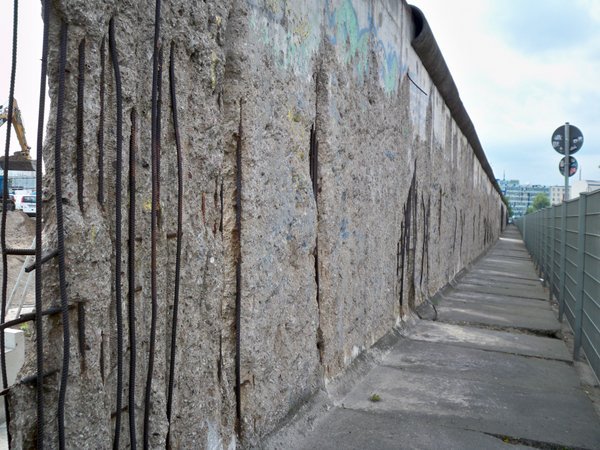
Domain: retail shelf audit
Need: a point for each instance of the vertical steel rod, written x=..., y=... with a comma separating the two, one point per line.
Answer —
x=173, y=92
x=153, y=222
x=131, y=279
x=38, y=234
x=100, y=136
x=118, y=228
x=64, y=375
x=238, y=274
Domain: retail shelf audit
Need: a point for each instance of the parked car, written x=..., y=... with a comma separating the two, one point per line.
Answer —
x=18, y=195
x=29, y=205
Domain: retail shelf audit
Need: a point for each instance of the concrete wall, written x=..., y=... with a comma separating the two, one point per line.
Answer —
x=402, y=205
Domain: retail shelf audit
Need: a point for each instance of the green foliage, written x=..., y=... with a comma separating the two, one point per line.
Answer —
x=540, y=201
x=375, y=398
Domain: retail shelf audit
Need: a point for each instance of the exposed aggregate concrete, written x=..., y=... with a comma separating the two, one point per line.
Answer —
x=402, y=206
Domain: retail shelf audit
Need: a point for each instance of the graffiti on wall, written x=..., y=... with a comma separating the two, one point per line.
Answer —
x=293, y=30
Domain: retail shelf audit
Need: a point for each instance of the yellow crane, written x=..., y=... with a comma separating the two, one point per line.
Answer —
x=19, y=128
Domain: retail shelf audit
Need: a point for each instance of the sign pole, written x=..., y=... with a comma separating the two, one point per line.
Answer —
x=567, y=161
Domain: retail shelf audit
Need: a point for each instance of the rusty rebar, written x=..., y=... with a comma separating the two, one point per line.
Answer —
x=79, y=126
x=153, y=222
x=173, y=90
x=60, y=235
x=114, y=56
x=39, y=260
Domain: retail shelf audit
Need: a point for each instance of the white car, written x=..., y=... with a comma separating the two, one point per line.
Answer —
x=28, y=204
x=18, y=197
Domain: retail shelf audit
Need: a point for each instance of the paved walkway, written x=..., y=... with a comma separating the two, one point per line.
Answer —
x=489, y=373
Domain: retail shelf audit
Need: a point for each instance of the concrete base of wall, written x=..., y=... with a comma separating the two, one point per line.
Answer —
x=15, y=356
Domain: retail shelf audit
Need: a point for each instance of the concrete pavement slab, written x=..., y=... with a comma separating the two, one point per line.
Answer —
x=518, y=268
x=436, y=395
x=500, y=341
x=508, y=254
x=502, y=315
x=489, y=279
x=483, y=269
x=504, y=260
x=499, y=394
x=351, y=429
x=481, y=365
x=507, y=291
x=494, y=299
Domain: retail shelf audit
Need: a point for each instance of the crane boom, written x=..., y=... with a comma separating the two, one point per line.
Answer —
x=17, y=122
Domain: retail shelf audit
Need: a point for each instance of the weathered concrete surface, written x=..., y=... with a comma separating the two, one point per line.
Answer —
x=453, y=386
x=401, y=204
x=503, y=314
x=493, y=340
x=463, y=396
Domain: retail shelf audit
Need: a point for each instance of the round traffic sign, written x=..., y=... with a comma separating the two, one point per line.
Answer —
x=575, y=137
x=573, y=165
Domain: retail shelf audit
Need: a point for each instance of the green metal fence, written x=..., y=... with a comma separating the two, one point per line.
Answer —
x=564, y=242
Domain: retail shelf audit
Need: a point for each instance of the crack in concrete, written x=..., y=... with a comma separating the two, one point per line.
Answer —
x=528, y=442
x=466, y=344
x=552, y=334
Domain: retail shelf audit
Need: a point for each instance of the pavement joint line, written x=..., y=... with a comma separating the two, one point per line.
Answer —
x=474, y=297
x=511, y=440
x=495, y=285
x=515, y=330
x=481, y=382
x=489, y=303
x=499, y=279
x=505, y=295
x=532, y=283
x=502, y=274
x=505, y=438
x=504, y=352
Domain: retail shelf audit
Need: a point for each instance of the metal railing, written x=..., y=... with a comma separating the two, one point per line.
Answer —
x=564, y=241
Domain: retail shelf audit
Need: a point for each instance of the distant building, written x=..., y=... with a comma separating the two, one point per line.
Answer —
x=21, y=173
x=557, y=194
x=520, y=197
x=583, y=186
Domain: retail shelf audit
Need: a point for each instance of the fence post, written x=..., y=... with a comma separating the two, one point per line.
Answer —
x=563, y=261
x=536, y=239
x=580, y=271
x=544, y=249
x=551, y=268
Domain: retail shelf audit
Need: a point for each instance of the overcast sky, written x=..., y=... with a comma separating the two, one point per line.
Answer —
x=522, y=67
x=27, y=86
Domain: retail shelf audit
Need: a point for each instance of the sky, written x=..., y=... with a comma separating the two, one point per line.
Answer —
x=27, y=85
x=522, y=67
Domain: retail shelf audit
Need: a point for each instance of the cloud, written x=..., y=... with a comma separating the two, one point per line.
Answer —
x=517, y=85
x=536, y=26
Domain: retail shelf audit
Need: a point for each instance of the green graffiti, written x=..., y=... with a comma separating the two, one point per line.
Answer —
x=294, y=44
x=352, y=39
x=391, y=74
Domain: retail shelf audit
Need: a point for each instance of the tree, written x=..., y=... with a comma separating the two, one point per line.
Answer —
x=540, y=201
